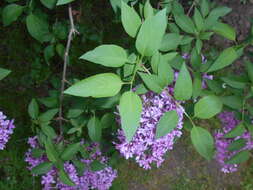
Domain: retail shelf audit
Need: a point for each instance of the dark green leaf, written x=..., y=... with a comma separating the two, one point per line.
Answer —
x=49, y=131
x=4, y=73
x=70, y=151
x=185, y=23
x=130, y=108
x=97, y=166
x=237, y=145
x=149, y=38
x=227, y=57
x=237, y=131
x=37, y=153
x=204, y=7
x=224, y=30
x=107, y=55
x=183, y=86
x=49, y=52
x=33, y=109
x=249, y=69
x=207, y=107
x=38, y=28
x=48, y=115
x=240, y=157
x=148, y=10
x=198, y=20
x=165, y=72
x=65, y=178
x=233, y=83
x=52, y=154
x=107, y=120
x=42, y=168
x=152, y=82
x=94, y=129
x=170, y=41
x=50, y=4
x=63, y=2
x=234, y=102
x=11, y=13
x=203, y=142
x=97, y=86
x=167, y=123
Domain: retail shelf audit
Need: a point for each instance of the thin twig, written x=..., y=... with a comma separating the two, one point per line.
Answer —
x=192, y=6
x=72, y=32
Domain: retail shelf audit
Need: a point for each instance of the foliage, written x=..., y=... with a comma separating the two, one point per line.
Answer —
x=164, y=60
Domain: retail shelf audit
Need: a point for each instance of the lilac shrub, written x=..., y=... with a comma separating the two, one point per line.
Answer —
x=100, y=180
x=229, y=122
x=144, y=147
x=6, y=129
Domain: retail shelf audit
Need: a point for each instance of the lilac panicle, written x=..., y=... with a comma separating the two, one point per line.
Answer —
x=6, y=129
x=100, y=180
x=144, y=147
x=229, y=122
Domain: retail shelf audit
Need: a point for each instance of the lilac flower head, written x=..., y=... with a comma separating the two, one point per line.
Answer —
x=229, y=122
x=144, y=147
x=6, y=129
x=100, y=180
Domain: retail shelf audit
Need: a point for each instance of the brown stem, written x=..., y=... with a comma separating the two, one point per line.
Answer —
x=72, y=32
x=192, y=6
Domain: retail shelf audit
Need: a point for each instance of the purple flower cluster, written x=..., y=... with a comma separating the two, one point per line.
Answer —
x=144, y=147
x=6, y=129
x=229, y=122
x=100, y=180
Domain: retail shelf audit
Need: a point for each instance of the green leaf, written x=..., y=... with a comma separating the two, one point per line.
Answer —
x=48, y=115
x=203, y=142
x=63, y=2
x=108, y=120
x=237, y=131
x=185, y=23
x=165, y=72
x=148, y=10
x=97, y=86
x=107, y=55
x=73, y=113
x=4, y=73
x=197, y=85
x=205, y=35
x=94, y=129
x=167, y=123
x=149, y=38
x=240, y=157
x=42, y=168
x=97, y=166
x=234, y=102
x=183, y=86
x=52, y=154
x=50, y=4
x=248, y=65
x=198, y=45
x=152, y=82
x=49, y=52
x=204, y=7
x=207, y=107
x=224, y=30
x=227, y=57
x=170, y=42
x=49, y=131
x=38, y=28
x=33, y=109
x=198, y=20
x=65, y=178
x=130, y=108
x=155, y=60
x=37, y=152
x=130, y=19
x=233, y=83
x=237, y=145
x=11, y=13
x=214, y=15
x=70, y=151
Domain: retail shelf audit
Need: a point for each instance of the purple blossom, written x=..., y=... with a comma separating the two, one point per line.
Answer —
x=100, y=180
x=6, y=129
x=229, y=122
x=144, y=147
